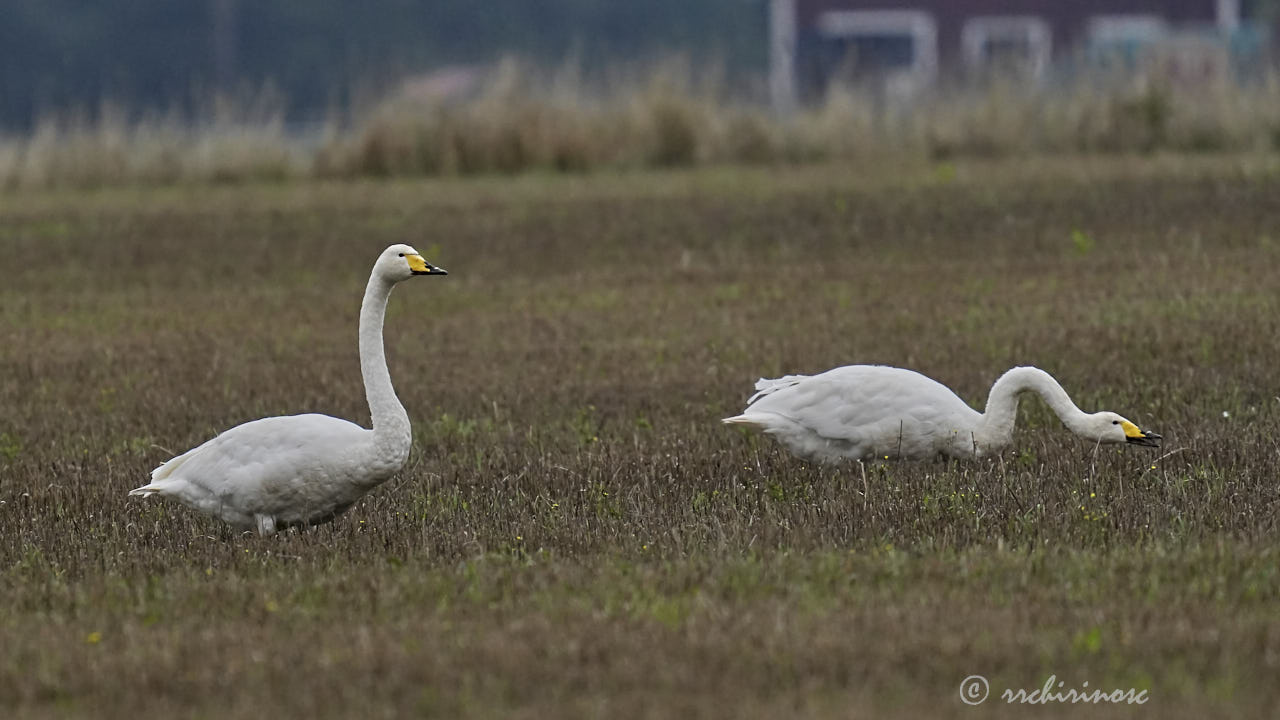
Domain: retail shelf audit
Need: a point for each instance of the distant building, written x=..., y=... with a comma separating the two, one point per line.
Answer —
x=905, y=45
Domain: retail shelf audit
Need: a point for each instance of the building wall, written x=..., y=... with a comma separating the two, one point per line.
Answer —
x=1067, y=18
x=797, y=74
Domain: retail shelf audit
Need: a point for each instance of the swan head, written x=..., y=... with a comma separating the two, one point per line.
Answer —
x=401, y=262
x=1108, y=427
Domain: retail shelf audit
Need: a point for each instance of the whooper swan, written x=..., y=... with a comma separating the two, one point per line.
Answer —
x=278, y=472
x=870, y=411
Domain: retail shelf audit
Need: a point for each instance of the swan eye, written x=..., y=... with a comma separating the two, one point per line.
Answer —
x=401, y=254
x=1115, y=422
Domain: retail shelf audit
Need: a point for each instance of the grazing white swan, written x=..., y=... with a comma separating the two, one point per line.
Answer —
x=278, y=472
x=866, y=411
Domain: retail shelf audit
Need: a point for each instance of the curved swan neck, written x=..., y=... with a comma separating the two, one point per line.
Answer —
x=390, y=422
x=1002, y=404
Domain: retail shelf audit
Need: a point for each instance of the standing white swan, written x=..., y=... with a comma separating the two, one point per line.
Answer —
x=277, y=472
x=865, y=411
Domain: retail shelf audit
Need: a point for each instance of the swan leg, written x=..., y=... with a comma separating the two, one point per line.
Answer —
x=866, y=491
x=266, y=525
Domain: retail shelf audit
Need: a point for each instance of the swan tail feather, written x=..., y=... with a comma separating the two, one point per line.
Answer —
x=161, y=477
x=753, y=420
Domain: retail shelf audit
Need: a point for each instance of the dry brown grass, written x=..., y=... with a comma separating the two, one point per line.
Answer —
x=519, y=119
x=234, y=140
x=576, y=534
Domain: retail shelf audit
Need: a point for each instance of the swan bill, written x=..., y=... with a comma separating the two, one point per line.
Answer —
x=1148, y=439
x=419, y=266
x=1135, y=436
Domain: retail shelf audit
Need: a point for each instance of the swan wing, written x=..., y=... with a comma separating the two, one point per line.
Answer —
x=768, y=386
x=289, y=468
x=863, y=410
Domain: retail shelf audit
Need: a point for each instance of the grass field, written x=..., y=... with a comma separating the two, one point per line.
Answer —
x=576, y=535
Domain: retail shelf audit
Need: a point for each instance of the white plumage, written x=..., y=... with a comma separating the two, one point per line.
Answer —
x=278, y=472
x=867, y=411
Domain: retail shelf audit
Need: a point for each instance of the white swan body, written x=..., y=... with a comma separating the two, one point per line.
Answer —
x=869, y=411
x=278, y=472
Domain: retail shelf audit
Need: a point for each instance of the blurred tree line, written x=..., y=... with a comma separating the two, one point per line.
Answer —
x=57, y=55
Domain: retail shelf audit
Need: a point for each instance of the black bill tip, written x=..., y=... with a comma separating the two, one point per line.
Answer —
x=1148, y=439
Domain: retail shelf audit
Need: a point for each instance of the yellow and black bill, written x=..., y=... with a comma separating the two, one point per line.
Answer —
x=418, y=266
x=1136, y=436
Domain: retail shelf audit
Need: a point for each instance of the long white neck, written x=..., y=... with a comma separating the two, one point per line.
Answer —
x=391, y=434
x=996, y=428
